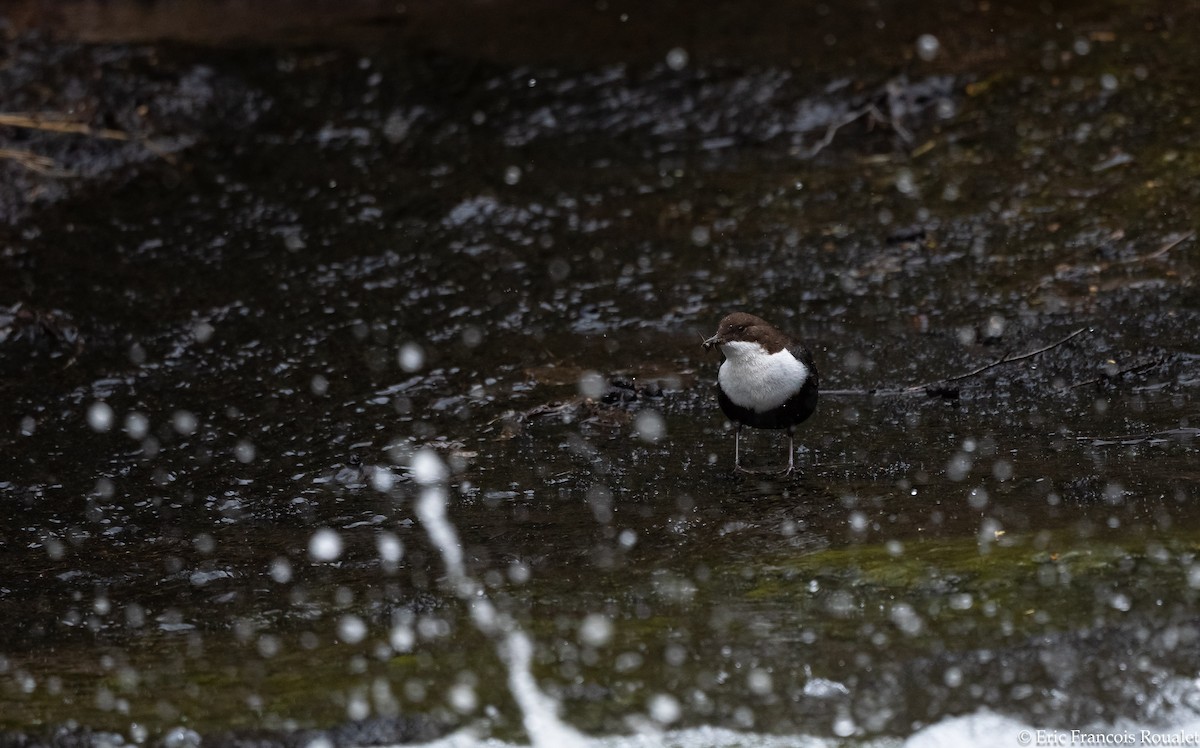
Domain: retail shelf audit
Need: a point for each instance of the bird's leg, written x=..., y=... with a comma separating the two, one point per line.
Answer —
x=791, y=453
x=737, y=447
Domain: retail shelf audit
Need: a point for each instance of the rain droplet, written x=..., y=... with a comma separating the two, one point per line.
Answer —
x=1193, y=576
x=664, y=709
x=591, y=385
x=677, y=58
x=184, y=422
x=858, y=521
x=244, y=452
x=958, y=467
x=137, y=425
x=906, y=619
x=994, y=327
x=759, y=682
x=843, y=726
x=927, y=47
x=100, y=417
x=351, y=629
x=382, y=479
x=596, y=630
x=649, y=426
x=953, y=677
x=427, y=467
x=203, y=332
x=319, y=385
x=281, y=570
x=412, y=358
x=325, y=545
x=512, y=175
x=978, y=497
x=1002, y=470
x=462, y=698
x=390, y=548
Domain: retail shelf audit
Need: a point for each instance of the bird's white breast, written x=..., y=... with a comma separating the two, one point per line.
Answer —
x=757, y=380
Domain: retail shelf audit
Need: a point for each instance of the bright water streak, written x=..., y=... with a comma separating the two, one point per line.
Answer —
x=539, y=712
x=983, y=729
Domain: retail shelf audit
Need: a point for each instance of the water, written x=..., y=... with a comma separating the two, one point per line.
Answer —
x=381, y=410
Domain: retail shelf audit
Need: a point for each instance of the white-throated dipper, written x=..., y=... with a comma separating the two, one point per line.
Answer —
x=767, y=380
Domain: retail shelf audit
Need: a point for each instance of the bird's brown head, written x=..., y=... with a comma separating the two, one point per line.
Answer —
x=740, y=326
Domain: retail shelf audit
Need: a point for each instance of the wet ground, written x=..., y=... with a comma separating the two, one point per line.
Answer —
x=252, y=282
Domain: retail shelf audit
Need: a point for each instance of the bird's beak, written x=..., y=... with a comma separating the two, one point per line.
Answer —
x=714, y=340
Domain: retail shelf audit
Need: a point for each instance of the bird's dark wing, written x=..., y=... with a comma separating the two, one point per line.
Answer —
x=801, y=352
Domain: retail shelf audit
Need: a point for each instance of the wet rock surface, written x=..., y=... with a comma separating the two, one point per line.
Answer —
x=225, y=334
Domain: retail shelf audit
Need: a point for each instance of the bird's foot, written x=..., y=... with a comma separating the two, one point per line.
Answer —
x=784, y=473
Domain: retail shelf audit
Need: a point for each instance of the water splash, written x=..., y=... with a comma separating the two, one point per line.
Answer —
x=539, y=711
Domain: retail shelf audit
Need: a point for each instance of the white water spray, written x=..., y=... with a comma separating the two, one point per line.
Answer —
x=539, y=712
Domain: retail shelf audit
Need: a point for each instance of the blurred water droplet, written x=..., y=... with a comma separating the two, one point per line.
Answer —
x=390, y=548
x=382, y=479
x=269, y=645
x=927, y=47
x=596, y=630
x=55, y=548
x=472, y=336
x=1002, y=470
x=559, y=269
x=994, y=327
x=953, y=677
x=137, y=425
x=592, y=385
x=677, y=58
x=1114, y=493
x=28, y=425
x=135, y=616
x=843, y=726
x=202, y=332
x=959, y=466
x=100, y=417
x=1193, y=576
x=906, y=619
x=402, y=638
x=351, y=629
x=512, y=175
x=977, y=498
x=244, y=452
x=281, y=570
x=462, y=698
x=649, y=426
x=411, y=357
x=664, y=708
x=759, y=681
x=627, y=538
x=319, y=385
x=204, y=542
x=184, y=422
x=858, y=522
x=428, y=468
x=701, y=236
x=325, y=545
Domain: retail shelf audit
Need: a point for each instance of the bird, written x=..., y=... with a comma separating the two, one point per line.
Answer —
x=768, y=380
